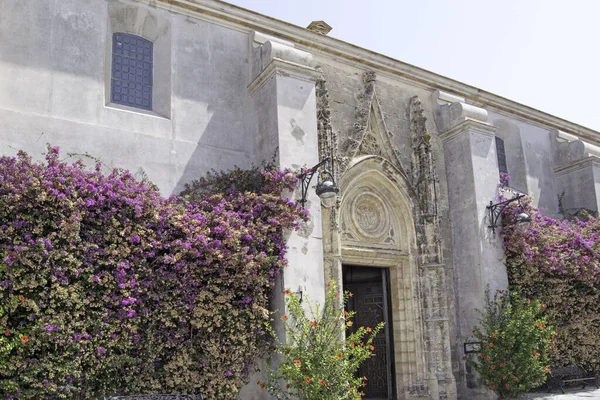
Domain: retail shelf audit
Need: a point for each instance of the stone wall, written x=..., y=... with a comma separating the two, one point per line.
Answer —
x=54, y=88
x=232, y=87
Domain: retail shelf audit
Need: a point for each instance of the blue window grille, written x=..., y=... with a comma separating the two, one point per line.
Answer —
x=131, y=77
x=501, y=155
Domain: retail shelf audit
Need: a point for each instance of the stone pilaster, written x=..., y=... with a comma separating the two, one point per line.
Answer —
x=577, y=171
x=473, y=177
x=283, y=91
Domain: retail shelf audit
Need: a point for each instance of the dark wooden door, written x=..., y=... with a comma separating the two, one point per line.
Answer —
x=370, y=300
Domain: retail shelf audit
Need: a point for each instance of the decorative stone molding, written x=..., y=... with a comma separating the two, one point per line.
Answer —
x=369, y=135
x=432, y=271
x=320, y=27
x=278, y=57
x=363, y=111
x=451, y=110
x=570, y=151
x=468, y=125
x=259, y=38
x=424, y=178
x=367, y=217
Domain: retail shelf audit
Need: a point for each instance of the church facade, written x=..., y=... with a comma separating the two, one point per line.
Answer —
x=177, y=87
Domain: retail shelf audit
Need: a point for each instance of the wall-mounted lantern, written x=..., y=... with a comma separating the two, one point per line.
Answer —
x=326, y=187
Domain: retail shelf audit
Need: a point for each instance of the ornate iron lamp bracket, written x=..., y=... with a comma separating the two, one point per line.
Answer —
x=496, y=210
x=306, y=176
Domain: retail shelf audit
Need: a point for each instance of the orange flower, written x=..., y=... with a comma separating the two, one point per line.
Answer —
x=516, y=379
x=492, y=387
x=488, y=358
x=285, y=317
x=491, y=344
x=365, y=378
x=313, y=323
x=504, y=377
x=507, y=385
x=24, y=339
x=307, y=379
x=6, y=332
x=369, y=330
x=298, y=363
x=492, y=367
x=22, y=298
x=352, y=344
x=350, y=294
x=349, y=323
x=321, y=382
x=340, y=355
x=502, y=365
x=481, y=355
x=287, y=292
x=345, y=313
x=372, y=347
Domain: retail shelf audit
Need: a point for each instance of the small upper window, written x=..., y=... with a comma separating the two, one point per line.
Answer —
x=131, y=77
x=501, y=154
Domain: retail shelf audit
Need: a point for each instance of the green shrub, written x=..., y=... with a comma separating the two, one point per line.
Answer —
x=515, y=339
x=317, y=362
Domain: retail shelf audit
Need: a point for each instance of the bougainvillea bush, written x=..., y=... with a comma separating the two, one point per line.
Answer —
x=515, y=339
x=107, y=288
x=558, y=262
x=317, y=361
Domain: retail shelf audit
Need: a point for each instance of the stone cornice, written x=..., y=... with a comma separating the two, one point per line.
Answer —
x=246, y=20
x=591, y=161
x=468, y=125
x=283, y=67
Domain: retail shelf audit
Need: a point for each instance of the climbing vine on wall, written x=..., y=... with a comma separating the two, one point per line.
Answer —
x=108, y=288
x=558, y=262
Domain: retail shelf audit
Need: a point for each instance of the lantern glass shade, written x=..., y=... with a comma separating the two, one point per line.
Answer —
x=326, y=186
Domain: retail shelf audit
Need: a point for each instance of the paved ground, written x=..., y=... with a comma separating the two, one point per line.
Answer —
x=572, y=394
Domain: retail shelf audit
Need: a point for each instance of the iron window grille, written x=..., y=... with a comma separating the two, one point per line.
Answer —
x=501, y=154
x=131, y=74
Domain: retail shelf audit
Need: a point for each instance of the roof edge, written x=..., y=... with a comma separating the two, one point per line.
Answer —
x=252, y=20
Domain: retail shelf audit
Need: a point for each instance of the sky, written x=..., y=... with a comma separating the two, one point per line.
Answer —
x=541, y=53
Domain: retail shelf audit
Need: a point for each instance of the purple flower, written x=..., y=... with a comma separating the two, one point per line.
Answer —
x=228, y=373
x=101, y=351
x=51, y=328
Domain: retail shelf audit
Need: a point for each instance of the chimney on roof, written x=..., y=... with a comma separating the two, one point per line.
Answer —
x=319, y=27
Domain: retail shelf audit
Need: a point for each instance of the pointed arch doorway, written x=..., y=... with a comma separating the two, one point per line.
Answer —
x=374, y=231
x=371, y=302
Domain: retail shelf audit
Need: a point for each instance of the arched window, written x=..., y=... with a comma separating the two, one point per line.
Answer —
x=131, y=73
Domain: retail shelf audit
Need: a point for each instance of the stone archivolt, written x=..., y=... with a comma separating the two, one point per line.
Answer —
x=387, y=218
